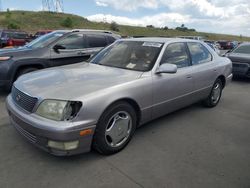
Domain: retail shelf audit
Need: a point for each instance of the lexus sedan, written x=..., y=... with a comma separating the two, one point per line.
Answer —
x=71, y=109
x=240, y=57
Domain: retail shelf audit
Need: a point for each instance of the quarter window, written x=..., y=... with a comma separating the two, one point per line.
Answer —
x=96, y=41
x=199, y=53
x=176, y=53
x=74, y=41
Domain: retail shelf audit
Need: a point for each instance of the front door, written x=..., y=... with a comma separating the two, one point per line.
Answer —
x=72, y=49
x=173, y=91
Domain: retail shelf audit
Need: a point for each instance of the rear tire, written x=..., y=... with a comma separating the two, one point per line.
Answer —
x=115, y=128
x=214, y=97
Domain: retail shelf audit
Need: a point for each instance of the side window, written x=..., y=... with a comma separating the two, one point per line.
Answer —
x=199, y=53
x=111, y=39
x=176, y=53
x=74, y=41
x=96, y=41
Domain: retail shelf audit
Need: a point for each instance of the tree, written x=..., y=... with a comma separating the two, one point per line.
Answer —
x=114, y=26
x=8, y=14
x=150, y=26
x=165, y=28
x=67, y=22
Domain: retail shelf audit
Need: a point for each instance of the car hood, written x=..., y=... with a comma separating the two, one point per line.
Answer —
x=73, y=81
x=237, y=57
x=15, y=51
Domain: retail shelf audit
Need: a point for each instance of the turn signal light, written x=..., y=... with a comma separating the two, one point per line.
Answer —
x=86, y=132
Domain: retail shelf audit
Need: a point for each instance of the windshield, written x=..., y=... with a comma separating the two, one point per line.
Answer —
x=45, y=40
x=133, y=55
x=245, y=49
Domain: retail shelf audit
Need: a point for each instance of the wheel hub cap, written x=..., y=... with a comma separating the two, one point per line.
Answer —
x=118, y=129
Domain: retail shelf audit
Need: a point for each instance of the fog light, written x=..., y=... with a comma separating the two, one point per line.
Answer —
x=63, y=145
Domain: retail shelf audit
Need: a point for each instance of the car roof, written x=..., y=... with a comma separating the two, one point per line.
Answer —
x=160, y=39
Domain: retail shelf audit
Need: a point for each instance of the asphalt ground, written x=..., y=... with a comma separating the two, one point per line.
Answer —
x=193, y=147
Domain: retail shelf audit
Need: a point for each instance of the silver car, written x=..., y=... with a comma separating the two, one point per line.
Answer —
x=71, y=109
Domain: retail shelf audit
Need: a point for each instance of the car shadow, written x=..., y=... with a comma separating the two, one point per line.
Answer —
x=157, y=123
x=3, y=93
x=241, y=79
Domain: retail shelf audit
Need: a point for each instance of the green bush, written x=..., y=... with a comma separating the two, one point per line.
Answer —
x=67, y=22
x=12, y=25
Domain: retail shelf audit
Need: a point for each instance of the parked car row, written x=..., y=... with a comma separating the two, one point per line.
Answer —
x=99, y=104
x=14, y=38
x=10, y=38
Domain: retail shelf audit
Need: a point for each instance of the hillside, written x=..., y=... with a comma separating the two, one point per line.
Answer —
x=33, y=21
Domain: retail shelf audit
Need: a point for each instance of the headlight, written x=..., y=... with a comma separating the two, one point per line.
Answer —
x=4, y=58
x=58, y=110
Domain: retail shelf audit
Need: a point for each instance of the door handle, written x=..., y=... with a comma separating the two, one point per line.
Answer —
x=81, y=53
x=214, y=70
x=189, y=76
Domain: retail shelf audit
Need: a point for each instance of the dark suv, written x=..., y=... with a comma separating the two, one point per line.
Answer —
x=54, y=49
x=13, y=38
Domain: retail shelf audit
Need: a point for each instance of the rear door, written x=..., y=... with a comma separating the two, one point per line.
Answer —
x=95, y=43
x=74, y=50
x=204, y=69
x=173, y=91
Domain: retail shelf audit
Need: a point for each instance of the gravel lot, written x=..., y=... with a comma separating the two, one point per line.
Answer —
x=194, y=147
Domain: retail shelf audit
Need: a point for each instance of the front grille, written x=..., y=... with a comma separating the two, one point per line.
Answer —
x=23, y=100
x=26, y=134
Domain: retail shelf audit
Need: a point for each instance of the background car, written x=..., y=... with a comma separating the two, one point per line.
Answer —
x=228, y=45
x=54, y=49
x=67, y=110
x=41, y=33
x=240, y=57
x=213, y=45
x=13, y=38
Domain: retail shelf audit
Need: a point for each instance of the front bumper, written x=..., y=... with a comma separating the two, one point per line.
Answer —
x=241, y=69
x=39, y=131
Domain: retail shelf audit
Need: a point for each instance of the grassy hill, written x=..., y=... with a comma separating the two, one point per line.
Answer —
x=33, y=21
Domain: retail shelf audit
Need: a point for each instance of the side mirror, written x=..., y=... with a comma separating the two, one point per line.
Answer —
x=167, y=68
x=58, y=47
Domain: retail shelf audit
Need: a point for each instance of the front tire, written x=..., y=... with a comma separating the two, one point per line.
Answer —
x=214, y=97
x=115, y=128
x=25, y=71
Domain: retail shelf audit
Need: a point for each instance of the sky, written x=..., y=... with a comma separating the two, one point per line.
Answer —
x=216, y=16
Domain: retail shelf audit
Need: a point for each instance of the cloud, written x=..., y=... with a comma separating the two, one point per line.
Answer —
x=128, y=5
x=219, y=16
x=101, y=4
x=158, y=20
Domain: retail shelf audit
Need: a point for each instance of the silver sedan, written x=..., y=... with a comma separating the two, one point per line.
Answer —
x=99, y=104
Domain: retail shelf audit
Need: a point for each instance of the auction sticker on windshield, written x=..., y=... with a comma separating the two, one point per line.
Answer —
x=152, y=44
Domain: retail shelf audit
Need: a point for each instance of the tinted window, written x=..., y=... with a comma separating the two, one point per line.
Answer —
x=96, y=41
x=199, y=53
x=111, y=39
x=176, y=53
x=242, y=49
x=74, y=41
x=133, y=55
